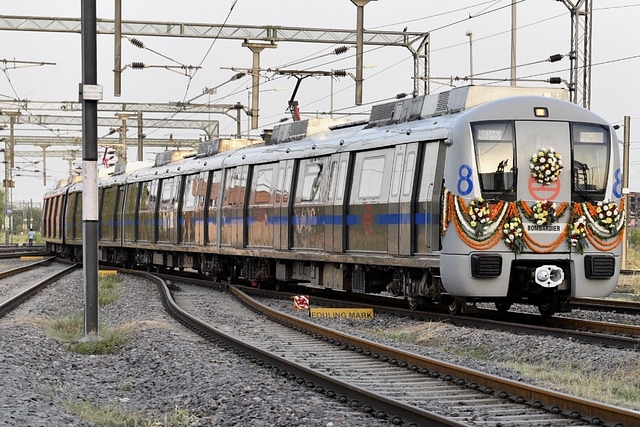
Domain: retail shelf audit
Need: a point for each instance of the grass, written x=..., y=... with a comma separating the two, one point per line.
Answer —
x=589, y=383
x=68, y=327
x=114, y=416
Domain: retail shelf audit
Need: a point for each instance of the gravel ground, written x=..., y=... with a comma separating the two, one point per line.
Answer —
x=171, y=376
x=163, y=371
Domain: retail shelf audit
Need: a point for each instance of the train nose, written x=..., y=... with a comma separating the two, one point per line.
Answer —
x=549, y=276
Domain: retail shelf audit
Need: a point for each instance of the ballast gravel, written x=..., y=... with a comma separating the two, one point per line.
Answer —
x=166, y=375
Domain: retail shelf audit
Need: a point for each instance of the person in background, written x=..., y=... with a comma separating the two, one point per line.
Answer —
x=32, y=234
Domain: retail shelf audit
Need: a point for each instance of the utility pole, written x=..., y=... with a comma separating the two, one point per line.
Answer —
x=470, y=35
x=91, y=93
x=581, y=25
x=513, y=42
x=360, y=4
x=625, y=185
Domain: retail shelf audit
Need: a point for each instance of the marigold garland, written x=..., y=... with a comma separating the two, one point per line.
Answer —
x=502, y=221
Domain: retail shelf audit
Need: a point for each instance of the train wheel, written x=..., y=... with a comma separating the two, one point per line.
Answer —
x=453, y=305
x=414, y=303
x=503, y=306
x=548, y=308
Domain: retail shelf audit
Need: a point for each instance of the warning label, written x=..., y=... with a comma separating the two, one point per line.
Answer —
x=343, y=313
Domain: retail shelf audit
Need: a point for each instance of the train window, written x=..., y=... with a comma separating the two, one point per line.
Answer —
x=408, y=174
x=397, y=170
x=169, y=194
x=214, y=191
x=262, y=184
x=590, y=157
x=495, y=146
x=190, y=193
x=342, y=180
x=310, y=180
x=371, y=177
x=235, y=183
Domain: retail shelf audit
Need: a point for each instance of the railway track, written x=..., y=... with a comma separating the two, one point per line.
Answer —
x=415, y=390
x=10, y=299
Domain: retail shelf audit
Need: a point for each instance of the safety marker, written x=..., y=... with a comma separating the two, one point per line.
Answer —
x=104, y=273
x=301, y=302
x=31, y=258
x=342, y=313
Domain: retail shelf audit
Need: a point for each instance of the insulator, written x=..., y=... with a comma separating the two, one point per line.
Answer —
x=137, y=65
x=137, y=43
x=555, y=80
x=339, y=73
x=340, y=50
x=555, y=58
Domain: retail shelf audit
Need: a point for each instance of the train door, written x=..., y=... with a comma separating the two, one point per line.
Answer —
x=212, y=210
x=400, y=200
x=118, y=222
x=532, y=138
x=168, y=210
x=307, y=218
x=368, y=211
x=428, y=203
x=233, y=207
x=260, y=210
x=187, y=212
x=334, y=230
x=282, y=203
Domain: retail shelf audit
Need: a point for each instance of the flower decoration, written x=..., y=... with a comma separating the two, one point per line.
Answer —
x=479, y=214
x=577, y=236
x=546, y=166
x=542, y=212
x=512, y=234
x=608, y=215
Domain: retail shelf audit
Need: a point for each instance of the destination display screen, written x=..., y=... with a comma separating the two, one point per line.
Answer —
x=492, y=132
x=591, y=137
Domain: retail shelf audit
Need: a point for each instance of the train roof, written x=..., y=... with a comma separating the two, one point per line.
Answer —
x=428, y=116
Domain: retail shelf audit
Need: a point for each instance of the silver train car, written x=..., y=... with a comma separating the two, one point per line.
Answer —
x=479, y=194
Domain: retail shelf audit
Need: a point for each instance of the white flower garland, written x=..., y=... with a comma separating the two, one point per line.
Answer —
x=546, y=166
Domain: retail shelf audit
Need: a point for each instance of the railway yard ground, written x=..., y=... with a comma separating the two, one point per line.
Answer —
x=154, y=372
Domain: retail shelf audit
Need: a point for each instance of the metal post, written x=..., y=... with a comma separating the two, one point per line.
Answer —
x=90, y=167
x=256, y=48
x=625, y=184
x=140, y=156
x=470, y=35
x=117, y=39
x=122, y=148
x=513, y=42
x=359, y=47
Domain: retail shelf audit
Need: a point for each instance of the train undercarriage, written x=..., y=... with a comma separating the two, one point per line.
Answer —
x=415, y=286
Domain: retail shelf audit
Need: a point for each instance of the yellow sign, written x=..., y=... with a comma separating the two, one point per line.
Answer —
x=103, y=273
x=343, y=313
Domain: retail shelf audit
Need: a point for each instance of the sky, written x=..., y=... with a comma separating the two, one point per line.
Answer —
x=543, y=29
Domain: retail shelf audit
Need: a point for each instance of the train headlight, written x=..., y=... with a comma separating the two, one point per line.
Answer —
x=549, y=276
x=541, y=112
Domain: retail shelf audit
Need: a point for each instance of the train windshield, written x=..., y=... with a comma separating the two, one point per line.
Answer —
x=495, y=147
x=590, y=160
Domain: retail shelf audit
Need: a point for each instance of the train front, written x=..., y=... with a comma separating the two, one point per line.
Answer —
x=532, y=207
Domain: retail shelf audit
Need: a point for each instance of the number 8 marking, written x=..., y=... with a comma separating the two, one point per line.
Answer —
x=617, y=183
x=466, y=178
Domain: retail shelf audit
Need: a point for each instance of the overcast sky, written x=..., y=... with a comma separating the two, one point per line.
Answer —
x=544, y=29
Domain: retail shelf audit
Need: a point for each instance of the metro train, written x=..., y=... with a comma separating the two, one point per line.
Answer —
x=478, y=194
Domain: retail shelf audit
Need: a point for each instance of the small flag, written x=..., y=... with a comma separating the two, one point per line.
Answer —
x=301, y=302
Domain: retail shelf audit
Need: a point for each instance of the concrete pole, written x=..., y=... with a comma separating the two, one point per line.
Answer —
x=360, y=4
